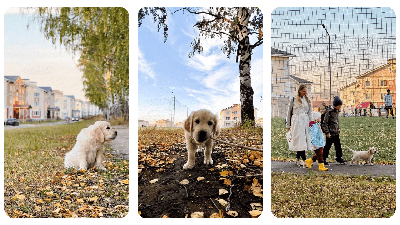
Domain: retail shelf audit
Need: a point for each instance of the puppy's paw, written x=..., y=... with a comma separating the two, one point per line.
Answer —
x=188, y=166
x=208, y=161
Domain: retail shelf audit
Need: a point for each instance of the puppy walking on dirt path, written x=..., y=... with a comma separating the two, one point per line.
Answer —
x=199, y=127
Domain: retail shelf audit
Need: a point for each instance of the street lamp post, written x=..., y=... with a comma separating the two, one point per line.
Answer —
x=329, y=64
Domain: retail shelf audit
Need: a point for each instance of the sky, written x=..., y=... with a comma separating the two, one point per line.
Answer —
x=206, y=81
x=29, y=55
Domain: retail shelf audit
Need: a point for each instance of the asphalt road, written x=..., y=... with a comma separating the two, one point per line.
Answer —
x=120, y=145
x=21, y=126
x=375, y=170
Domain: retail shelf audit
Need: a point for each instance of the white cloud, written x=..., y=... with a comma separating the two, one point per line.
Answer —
x=144, y=66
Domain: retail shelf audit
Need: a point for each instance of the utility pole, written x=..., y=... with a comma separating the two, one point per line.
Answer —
x=329, y=65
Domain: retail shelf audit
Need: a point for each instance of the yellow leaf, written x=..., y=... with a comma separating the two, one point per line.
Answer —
x=224, y=173
x=255, y=213
x=165, y=216
x=124, y=182
x=39, y=201
x=232, y=213
x=153, y=181
x=94, y=199
x=222, y=191
x=197, y=215
x=79, y=201
x=227, y=182
x=200, y=178
x=185, y=181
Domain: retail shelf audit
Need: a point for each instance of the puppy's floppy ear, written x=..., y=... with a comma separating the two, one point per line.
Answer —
x=98, y=133
x=188, y=123
x=216, y=129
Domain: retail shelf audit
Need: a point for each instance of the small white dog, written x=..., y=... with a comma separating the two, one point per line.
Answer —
x=88, y=150
x=199, y=127
x=363, y=155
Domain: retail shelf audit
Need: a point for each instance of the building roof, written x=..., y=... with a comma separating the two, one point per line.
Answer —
x=12, y=78
x=70, y=96
x=368, y=73
x=46, y=88
x=300, y=80
x=349, y=85
x=277, y=52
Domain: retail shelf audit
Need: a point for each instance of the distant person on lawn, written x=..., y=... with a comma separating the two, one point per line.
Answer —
x=388, y=104
x=318, y=142
x=330, y=126
x=298, y=118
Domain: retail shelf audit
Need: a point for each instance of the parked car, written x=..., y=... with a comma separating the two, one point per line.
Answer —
x=12, y=122
x=75, y=118
x=67, y=119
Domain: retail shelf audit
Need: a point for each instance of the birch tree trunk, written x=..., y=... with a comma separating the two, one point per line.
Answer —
x=244, y=52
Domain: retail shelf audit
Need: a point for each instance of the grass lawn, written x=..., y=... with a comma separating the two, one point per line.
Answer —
x=358, y=133
x=37, y=184
x=330, y=196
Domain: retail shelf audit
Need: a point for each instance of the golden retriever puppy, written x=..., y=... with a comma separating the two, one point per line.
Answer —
x=88, y=150
x=363, y=155
x=199, y=127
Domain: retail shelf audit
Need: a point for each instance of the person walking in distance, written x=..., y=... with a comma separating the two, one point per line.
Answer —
x=298, y=118
x=388, y=104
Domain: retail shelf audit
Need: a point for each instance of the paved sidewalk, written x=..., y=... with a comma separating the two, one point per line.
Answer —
x=120, y=145
x=376, y=170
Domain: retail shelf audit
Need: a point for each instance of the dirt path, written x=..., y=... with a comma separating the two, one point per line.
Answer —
x=120, y=145
x=376, y=170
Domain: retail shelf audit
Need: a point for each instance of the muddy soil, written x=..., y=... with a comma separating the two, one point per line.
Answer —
x=168, y=197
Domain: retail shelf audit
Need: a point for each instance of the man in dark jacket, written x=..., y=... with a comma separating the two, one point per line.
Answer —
x=330, y=127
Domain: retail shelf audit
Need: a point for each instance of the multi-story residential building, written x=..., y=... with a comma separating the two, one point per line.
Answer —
x=78, y=108
x=143, y=123
x=68, y=105
x=50, y=103
x=231, y=116
x=164, y=123
x=370, y=88
x=15, y=105
x=283, y=85
x=58, y=103
x=86, y=109
x=35, y=97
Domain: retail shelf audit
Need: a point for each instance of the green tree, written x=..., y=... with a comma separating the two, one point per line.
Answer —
x=101, y=37
x=234, y=25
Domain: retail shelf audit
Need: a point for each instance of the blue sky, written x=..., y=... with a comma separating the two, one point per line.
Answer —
x=206, y=81
x=29, y=55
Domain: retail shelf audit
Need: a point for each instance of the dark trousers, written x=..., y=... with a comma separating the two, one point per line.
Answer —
x=301, y=154
x=338, y=147
x=389, y=109
x=318, y=155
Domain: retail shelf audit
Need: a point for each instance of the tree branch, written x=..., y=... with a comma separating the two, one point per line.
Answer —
x=259, y=42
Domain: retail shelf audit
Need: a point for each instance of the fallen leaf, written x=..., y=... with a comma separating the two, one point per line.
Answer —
x=125, y=182
x=227, y=182
x=216, y=215
x=232, y=213
x=200, y=178
x=197, y=215
x=222, y=191
x=222, y=202
x=153, y=181
x=185, y=181
x=255, y=213
x=165, y=216
x=224, y=173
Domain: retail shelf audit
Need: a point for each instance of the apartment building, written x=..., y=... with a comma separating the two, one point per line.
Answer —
x=15, y=105
x=231, y=116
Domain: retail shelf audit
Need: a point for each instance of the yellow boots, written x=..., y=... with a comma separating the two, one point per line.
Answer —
x=309, y=162
x=322, y=167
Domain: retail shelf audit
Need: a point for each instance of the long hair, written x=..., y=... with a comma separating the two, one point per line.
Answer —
x=301, y=87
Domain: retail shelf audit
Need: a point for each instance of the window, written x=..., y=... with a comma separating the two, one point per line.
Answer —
x=64, y=114
x=37, y=95
x=235, y=118
x=367, y=83
x=227, y=112
x=382, y=97
x=235, y=112
x=65, y=107
x=287, y=88
x=57, y=101
x=227, y=118
x=36, y=113
x=367, y=96
x=36, y=104
x=384, y=83
x=227, y=124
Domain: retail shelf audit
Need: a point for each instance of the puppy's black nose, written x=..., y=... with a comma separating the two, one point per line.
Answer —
x=115, y=132
x=202, y=136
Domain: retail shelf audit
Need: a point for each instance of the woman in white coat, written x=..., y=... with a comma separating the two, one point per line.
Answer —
x=298, y=118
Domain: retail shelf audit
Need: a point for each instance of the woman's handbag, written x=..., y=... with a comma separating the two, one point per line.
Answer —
x=289, y=139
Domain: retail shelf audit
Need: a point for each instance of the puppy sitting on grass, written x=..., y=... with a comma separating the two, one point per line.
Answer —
x=363, y=155
x=199, y=127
